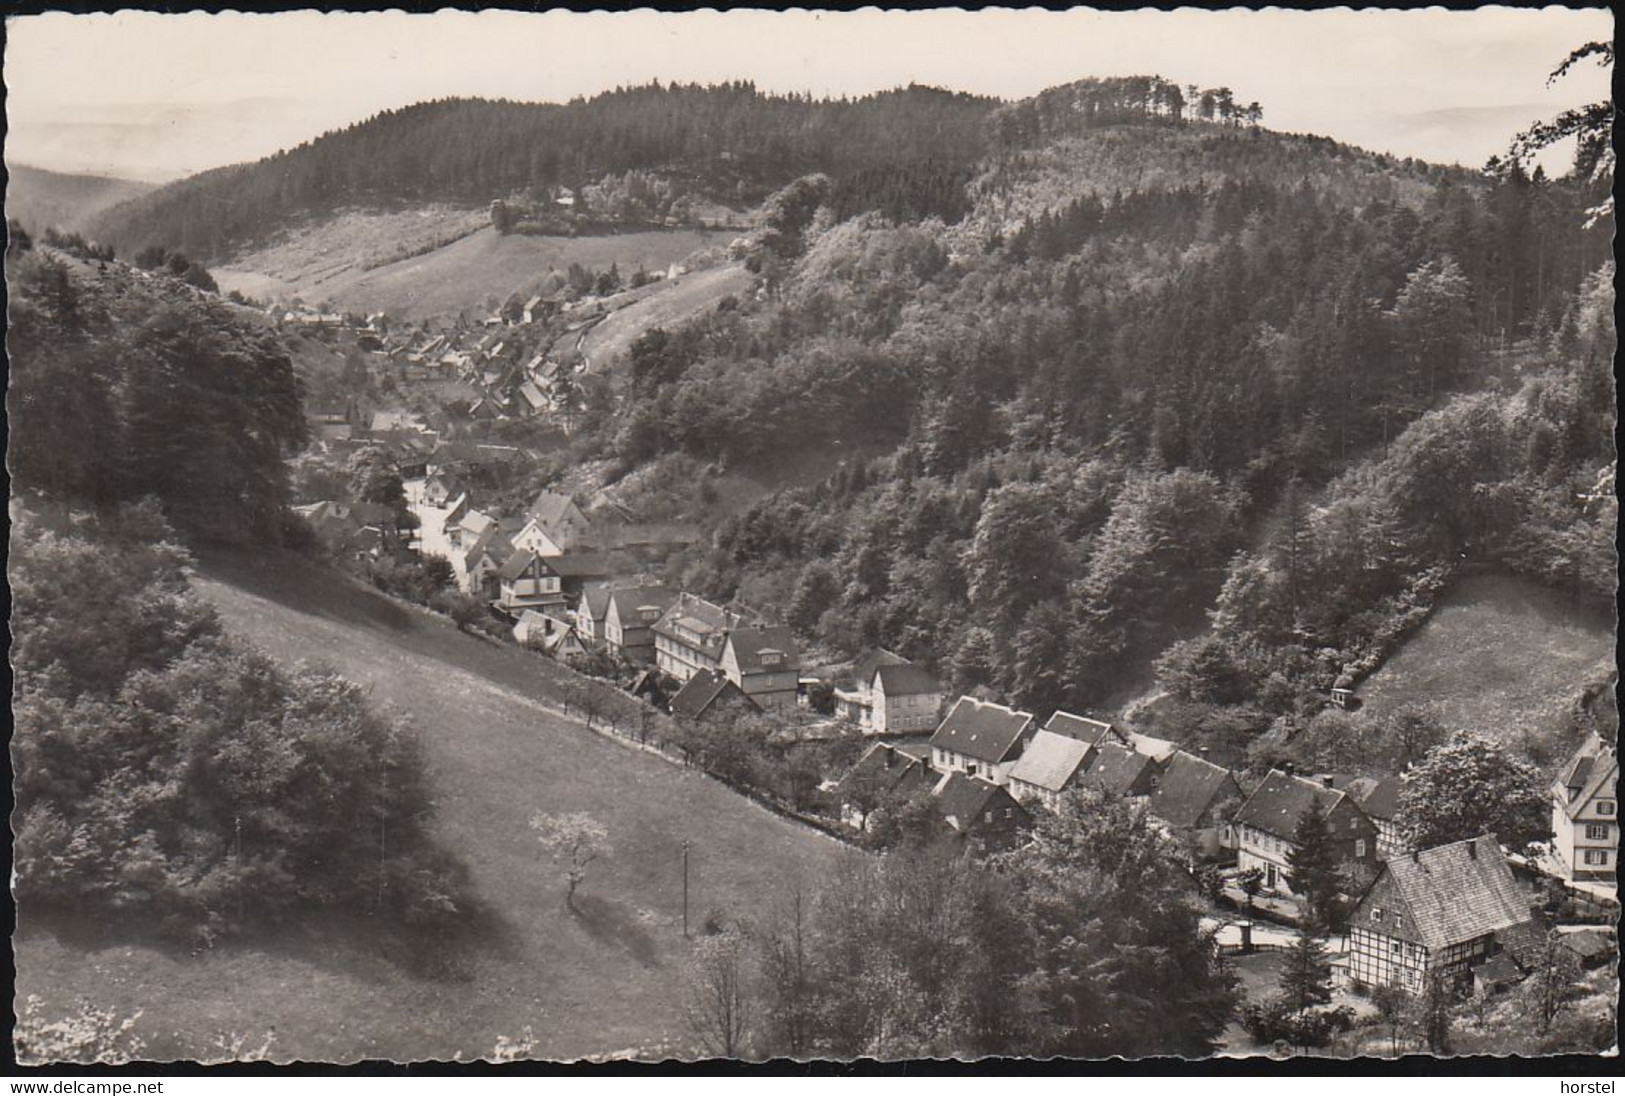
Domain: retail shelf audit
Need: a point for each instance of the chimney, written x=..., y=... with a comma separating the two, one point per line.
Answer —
x=1327, y=779
x=1472, y=849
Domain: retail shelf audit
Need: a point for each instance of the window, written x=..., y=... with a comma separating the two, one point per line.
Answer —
x=1376, y=914
x=1359, y=849
x=1605, y=806
x=1398, y=947
x=1596, y=856
x=1597, y=831
x=1398, y=920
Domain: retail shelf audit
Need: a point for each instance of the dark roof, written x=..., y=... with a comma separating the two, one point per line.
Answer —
x=1459, y=892
x=983, y=730
x=964, y=798
x=628, y=600
x=518, y=562
x=1050, y=761
x=703, y=690
x=1585, y=774
x=1082, y=728
x=907, y=680
x=1189, y=788
x=580, y=565
x=1118, y=770
x=750, y=641
x=902, y=772
x=863, y=670
x=1378, y=798
x=1281, y=800
x=595, y=600
x=1499, y=970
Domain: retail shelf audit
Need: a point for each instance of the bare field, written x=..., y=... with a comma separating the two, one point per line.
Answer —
x=1501, y=655
x=333, y=264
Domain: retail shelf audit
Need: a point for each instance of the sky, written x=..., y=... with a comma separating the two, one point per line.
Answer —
x=155, y=96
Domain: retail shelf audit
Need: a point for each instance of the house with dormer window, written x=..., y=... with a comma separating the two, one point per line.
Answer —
x=1585, y=813
x=764, y=662
x=630, y=614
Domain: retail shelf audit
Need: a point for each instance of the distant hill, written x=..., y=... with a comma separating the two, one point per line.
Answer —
x=728, y=143
x=41, y=199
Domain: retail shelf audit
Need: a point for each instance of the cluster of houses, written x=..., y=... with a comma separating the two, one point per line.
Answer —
x=1466, y=910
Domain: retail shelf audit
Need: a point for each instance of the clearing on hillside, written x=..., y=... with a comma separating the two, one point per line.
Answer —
x=1500, y=655
x=675, y=302
x=342, y=263
x=600, y=983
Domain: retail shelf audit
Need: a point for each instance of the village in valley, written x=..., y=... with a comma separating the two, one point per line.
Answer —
x=1274, y=853
x=700, y=572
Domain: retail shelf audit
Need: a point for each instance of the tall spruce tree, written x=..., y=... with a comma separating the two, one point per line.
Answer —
x=1312, y=871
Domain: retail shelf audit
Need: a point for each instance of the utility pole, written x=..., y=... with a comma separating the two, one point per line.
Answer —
x=685, y=889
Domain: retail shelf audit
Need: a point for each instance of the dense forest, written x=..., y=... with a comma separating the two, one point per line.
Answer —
x=1072, y=441
x=165, y=772
x=729, y=142
x=910, y=153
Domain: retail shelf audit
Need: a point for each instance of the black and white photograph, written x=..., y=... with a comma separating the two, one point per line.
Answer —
x=751, y=536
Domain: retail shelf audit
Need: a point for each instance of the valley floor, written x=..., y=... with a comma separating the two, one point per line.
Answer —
x=603, y=982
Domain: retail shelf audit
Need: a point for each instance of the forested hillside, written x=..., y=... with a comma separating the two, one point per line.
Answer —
x=126, y=384
x=1115, y=413
x=39, y=199
x=730, y=143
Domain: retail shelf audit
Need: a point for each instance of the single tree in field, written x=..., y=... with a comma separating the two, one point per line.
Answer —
x=575, y=842
x=1306, y=976
x=1312, y=871
x=1471, y=786
x=717, y=1002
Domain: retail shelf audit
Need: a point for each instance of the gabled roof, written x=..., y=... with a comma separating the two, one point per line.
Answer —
x=1378, y=798
x=1118, y=770
x=532, y=395
x=549, y=507
x=478, y=522
x=1082, y=728
x=1459, y=892
x=907, y=680
x=1050, y=761
x=519, y=562
x=750, y=642
x=1585, y=775
x=1189, y=788
x=594, y=600
x=898, y=771
x=702, y=691
x=964, y=799
x=863, y=670
x=1158, y=749
x=983, y=730
x=1282, y=799
x=630, y=600
x=696, y=615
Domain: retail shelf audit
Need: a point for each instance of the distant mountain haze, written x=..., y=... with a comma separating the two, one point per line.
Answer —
x=38, y=199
